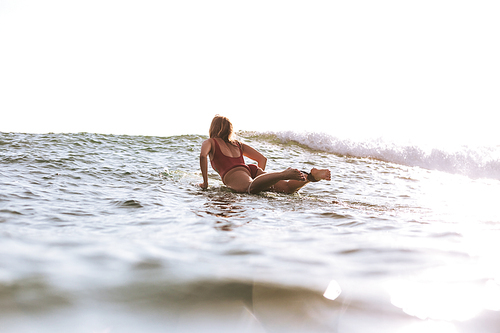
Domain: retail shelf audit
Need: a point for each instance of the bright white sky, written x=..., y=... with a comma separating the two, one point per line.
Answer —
x=162, y=67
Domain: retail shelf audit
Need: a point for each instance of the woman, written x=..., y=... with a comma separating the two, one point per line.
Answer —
x=226, y=157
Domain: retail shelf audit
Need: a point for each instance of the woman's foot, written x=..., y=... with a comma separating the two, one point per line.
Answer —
x=293, y=174
x=321, y=174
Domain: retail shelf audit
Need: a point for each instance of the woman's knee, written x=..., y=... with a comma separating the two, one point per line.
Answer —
x=281, y=186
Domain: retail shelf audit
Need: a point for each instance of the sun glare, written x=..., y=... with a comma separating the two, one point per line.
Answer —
x=332, y=291
x=446, y=294
x=429, y=326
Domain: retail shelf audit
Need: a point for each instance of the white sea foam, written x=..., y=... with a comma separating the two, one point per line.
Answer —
x=475, y=162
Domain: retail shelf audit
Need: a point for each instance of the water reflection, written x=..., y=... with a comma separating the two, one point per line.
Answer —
x=227, y=210
x=289, y=309
x=460, y=199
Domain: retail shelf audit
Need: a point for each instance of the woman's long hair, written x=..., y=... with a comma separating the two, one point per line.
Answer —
x=222, y=128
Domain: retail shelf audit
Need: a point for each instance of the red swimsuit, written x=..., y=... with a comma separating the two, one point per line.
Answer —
x=222, y=163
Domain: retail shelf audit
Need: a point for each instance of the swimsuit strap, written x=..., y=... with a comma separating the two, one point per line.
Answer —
x=216, y=145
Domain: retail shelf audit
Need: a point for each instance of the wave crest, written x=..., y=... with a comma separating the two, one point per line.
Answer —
x=475, y=162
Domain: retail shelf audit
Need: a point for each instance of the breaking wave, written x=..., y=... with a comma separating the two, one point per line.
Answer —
x=475, y=162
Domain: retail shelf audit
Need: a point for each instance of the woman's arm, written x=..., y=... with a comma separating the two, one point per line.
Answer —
x=254, y=155
x=206, y=147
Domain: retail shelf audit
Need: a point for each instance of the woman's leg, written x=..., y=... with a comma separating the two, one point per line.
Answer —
x=239, y=179
x=266, y=180
x=287, y=181
x=292, y=186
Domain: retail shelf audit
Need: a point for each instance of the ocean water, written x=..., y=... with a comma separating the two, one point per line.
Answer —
x=110, y=233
